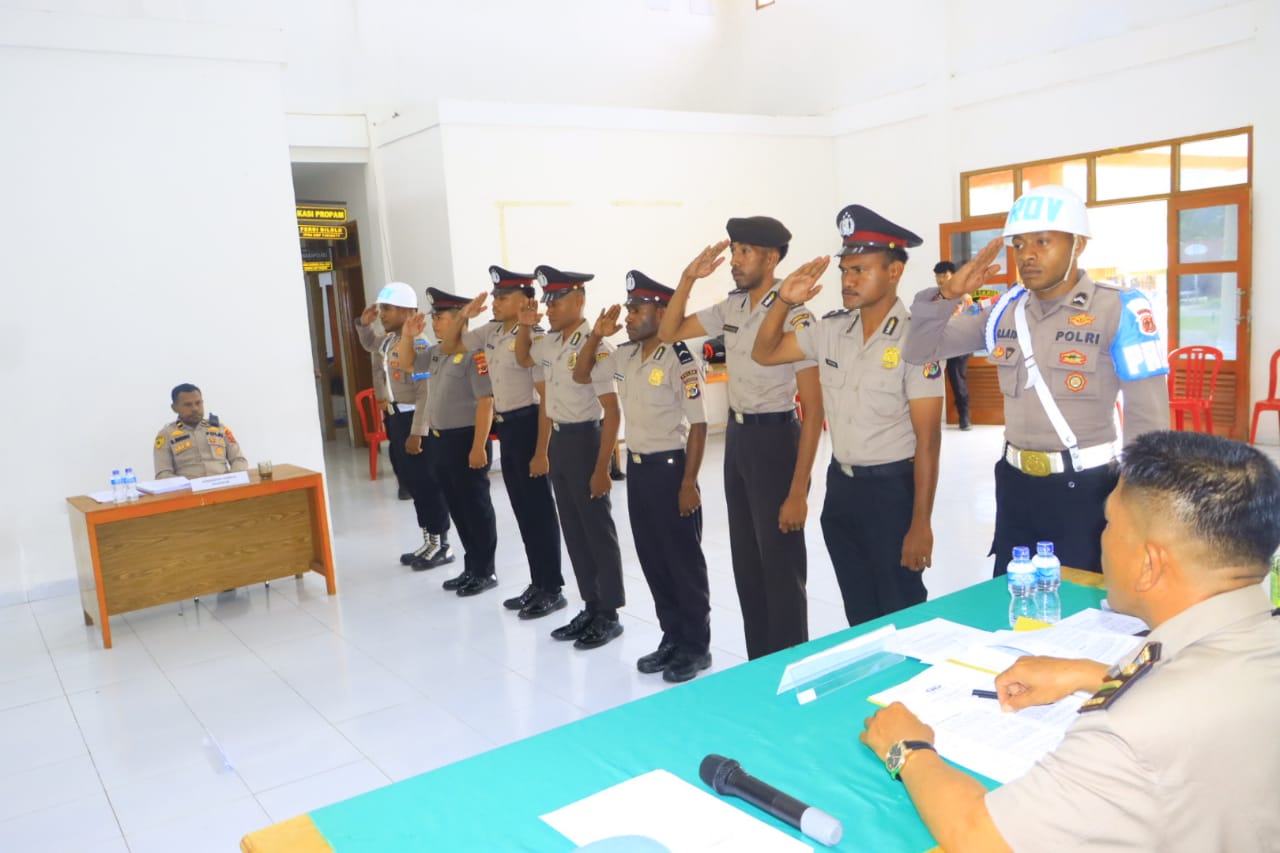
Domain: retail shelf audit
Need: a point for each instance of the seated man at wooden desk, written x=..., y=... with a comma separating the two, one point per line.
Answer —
x=193, y=446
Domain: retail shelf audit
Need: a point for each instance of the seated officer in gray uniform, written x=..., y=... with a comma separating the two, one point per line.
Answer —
x=1064, y=347
x=458, y=400
x=1176, y=751
x=192, y=446
x=885, y=415
x=768, y=455
x=661, y=390
x=584, y=420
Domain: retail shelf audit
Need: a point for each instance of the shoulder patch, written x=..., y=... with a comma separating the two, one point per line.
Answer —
x=160, y=441
x=230, y=436
x=801, y=320
x=1137, y=350
x=682, y=352
x=482, y=363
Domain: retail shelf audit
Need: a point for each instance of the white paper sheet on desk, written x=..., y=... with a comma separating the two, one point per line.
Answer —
x=1065, y=641
x=1107, y=621
x=106, y=496
x=974, y=732
x=664, y=807
x=163, y=487
x=935, y=641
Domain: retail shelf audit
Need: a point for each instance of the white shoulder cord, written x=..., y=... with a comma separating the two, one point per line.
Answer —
x=1035, y=380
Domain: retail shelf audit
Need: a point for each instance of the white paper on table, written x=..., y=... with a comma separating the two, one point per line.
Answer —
x=106, y=496
x=974, y=732
x=217, y=481
x=681, y=816
x=935, y=641
x=161, y=487
x=1106, y=621
x=829, y=660
x=1065, y=641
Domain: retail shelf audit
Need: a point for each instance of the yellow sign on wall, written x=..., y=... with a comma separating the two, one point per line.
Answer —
x=317, y=266
x=322, y=232
x=321, y=213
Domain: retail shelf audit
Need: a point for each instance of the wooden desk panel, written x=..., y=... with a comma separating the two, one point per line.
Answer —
x=165, y=548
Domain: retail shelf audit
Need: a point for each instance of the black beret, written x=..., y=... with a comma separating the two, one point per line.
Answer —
x=758, y=231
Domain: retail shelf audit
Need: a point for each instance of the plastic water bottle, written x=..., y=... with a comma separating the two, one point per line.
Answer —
x=130, y=485
x=117, y=486
x=1048, y=580
x=1022, y=585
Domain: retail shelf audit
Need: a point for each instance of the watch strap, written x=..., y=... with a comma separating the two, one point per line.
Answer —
x=908, y=747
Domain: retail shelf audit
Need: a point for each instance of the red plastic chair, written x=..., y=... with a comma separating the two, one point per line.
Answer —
x=1198, y=366
x=1271, y=404
x=371, y=423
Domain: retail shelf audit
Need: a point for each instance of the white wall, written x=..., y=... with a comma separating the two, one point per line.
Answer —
x=410, y=176
x=352, y=184
x=151, y=241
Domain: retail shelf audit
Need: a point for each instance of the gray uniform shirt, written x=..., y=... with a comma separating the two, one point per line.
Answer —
x=391, y=380
x=661, y=395
x=866, y=386
x=513, y=385
x=201, y=451
x=1186, y=760
x=753, y=387
x=1073, y=338
x=457, y=381
x=557, y=354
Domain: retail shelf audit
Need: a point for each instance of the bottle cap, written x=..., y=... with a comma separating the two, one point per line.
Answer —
x=1044, y=549
x=1021, y=552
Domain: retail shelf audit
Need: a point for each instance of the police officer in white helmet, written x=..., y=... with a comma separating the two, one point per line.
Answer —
x=1065, y=347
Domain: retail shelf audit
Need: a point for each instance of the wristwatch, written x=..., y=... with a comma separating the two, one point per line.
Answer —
x=897, y=757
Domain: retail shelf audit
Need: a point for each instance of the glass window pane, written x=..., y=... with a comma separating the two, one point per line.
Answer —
x=1130, y=248
x=966, y=244
x=1072, y=174
x=1135, y=173
x=1207, y=234
x=990, y=193
x=1214, y=162
x=1207, y=311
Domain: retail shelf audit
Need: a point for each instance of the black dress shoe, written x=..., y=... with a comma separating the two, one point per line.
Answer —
x=616, y=474
x=574, y=629
x=657, y=661
x=403, y=494
x=684, y=666
x=458, y=582
x=599, y=632
x=477, y=585
x=441, y=557
x=542, y=604
x=521, y=600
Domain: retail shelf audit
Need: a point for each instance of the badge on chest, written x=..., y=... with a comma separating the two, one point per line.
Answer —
x=889, y=359
x=656, y=376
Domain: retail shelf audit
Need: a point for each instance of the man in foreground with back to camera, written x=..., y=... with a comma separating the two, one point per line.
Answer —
x=1176, y=751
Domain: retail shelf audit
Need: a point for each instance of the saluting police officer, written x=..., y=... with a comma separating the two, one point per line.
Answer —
x=459, y=406
x=407, y=425
x=661, y=391
x=522, y=434
x=579, y=451
x=768, y=456
x=192, y=446
x=885, y=415
x=1064, y=347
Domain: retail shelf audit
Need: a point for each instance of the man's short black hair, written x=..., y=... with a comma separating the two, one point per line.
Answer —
x=1225, y=493
x=943, y=266
x=184, y=388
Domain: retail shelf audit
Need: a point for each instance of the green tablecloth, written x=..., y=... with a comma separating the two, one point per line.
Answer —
x=491, y=802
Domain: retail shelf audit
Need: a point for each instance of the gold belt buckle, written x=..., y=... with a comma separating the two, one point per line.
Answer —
x=635, y=457
x=436, y=433
x=1034, y=463
x=737, y=416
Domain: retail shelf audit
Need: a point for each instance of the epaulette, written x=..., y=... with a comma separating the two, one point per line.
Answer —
x=682, y=352
x=839, y=312
x=1110, y=285
x=739, y=291
x=213, y=421
x=627, y=344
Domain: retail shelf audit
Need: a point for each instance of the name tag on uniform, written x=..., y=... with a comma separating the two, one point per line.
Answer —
x=729, y=328
x=831, y=363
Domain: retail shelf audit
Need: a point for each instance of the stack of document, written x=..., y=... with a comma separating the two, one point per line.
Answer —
x=162, y=487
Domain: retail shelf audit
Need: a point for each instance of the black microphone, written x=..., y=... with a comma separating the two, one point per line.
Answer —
x=726, y=776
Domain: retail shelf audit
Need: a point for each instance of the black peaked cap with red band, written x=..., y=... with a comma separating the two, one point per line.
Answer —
x=441, y=301
x=556, y=283
x=506, y=279
x=641, y=288
x=863, y=230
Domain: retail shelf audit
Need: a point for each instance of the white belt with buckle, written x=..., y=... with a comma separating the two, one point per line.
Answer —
x=404, y=407
x=1042, y=463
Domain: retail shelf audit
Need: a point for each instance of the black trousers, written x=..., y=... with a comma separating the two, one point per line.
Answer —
x=864, y=521
x=587, y=523
x=957, y=375
x=531, y=499
x=769, y=566
x=418, y=477
x=466, y=491
x=670, y=549
x=1065, y=509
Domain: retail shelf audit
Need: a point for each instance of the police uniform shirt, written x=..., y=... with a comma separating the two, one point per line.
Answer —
x=1187, y=759
x=557, y=354
x=1084, y=343
x=753, y=387
x=457, y=381
x=513, y=385
x=661, y=395
x=866, y=386
x=201, y=451
x=390, y=377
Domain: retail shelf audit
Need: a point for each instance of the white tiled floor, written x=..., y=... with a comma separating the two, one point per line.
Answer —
x=315, y=699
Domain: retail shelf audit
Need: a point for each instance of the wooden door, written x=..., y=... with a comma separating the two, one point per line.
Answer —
x=1210, y=289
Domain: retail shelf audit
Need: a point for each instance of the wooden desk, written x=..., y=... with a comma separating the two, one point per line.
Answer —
x=165, y=548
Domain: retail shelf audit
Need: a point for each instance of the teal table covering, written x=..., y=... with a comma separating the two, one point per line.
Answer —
x=492, y=801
